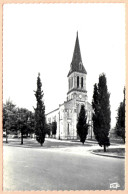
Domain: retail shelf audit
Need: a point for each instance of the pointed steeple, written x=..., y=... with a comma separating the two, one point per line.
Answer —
x=77, y=54
x=76, y=64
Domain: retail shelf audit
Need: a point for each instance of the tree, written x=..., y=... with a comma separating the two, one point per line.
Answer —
x=22, y=122
x=48, y=129
x=39, y=113
x=54, y=127
x=82, y=126
x=31, y=122
x=9, y=117
x=101, y=116
x=95, y=116
x=120, y=123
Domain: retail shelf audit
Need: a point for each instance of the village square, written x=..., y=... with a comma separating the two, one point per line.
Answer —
x=70, y=148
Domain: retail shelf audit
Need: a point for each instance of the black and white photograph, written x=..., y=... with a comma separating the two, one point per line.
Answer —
x=64, y=96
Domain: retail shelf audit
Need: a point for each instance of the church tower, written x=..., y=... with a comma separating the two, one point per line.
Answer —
x=67, y=114
x=77, y=77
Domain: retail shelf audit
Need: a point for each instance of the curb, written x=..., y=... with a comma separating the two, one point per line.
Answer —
x=106, y=155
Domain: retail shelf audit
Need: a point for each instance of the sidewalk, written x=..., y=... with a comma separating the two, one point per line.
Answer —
x=108, y=155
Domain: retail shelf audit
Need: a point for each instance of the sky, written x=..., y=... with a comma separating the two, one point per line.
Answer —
x=41, y=38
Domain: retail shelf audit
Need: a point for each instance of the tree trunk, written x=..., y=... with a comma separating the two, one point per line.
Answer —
x=21, y=138
x=104, y=148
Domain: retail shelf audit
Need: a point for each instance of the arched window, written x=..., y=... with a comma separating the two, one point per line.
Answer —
x=81, y=82
x=77, y=81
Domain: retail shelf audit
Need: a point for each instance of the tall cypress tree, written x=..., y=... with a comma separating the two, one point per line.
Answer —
x=95, y=116
x=120, y=123
x=39, y=113
x=102, y=113
x=82, y=126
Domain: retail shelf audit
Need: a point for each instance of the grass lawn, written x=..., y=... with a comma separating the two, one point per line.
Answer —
x=112, y=151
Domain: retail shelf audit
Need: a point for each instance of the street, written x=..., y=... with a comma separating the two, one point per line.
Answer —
x=57, y=166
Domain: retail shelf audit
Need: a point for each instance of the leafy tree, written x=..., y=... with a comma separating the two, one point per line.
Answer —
x=17, y=120
x=82, y=126
x=101, y=116
x=9, y=117
x=22, y=122
x=30, y=123
x=120, y=123
x=39, y=113
x=48, y=129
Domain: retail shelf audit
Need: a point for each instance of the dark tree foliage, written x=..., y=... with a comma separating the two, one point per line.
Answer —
x=22, y=122
x=48, y=129
x=54, y=128
x=102, y=114
x=39, y=113
x=31, y=123
x=120, y=123
x=95, y=117
x=9, y=118
x=82, y=126
x=17, y=120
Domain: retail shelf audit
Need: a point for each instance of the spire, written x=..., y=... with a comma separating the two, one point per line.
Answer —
x=76, y=59
x=77, y=54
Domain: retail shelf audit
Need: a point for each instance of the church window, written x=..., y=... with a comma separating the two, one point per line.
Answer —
x=77, y=81
x=81, y=82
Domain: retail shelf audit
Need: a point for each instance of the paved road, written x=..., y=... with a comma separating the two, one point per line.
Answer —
x=54, y=167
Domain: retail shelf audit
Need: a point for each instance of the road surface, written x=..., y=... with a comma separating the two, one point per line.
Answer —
x=56, y=167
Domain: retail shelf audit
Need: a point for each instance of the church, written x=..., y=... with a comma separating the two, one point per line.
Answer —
x=66, y=115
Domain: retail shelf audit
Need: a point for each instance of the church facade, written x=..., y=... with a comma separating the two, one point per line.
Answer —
x=66, y=115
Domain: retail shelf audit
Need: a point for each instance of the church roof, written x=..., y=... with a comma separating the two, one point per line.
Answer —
x=76, y=64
